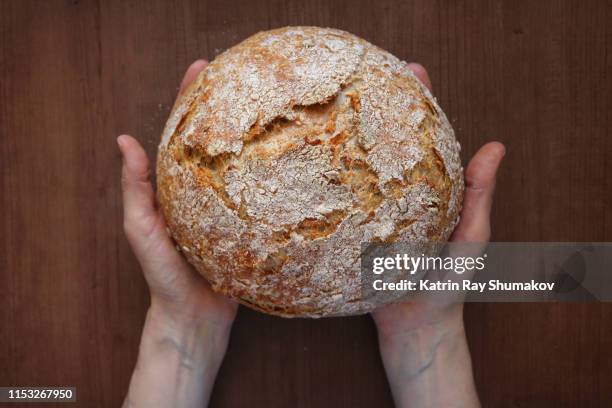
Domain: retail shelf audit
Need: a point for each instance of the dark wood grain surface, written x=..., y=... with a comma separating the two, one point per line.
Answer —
x=74, y=74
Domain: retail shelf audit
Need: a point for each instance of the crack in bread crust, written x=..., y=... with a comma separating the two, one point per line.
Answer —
x=287, y=152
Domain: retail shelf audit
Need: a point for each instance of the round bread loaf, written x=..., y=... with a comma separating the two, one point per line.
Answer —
x=290, y=150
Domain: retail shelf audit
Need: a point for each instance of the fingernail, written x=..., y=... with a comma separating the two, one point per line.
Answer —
x=120, y=140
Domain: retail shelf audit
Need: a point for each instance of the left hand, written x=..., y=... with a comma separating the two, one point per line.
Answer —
x=178, y=293
x=187, y=328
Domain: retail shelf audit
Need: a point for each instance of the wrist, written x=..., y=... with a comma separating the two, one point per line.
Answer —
x=413, y=350
x=166, y=320
x=426, y=341
x=177, y=361
x=403, y=322
x=427, y=362
x=191, y=313
x=195, y=349
x=411, y=340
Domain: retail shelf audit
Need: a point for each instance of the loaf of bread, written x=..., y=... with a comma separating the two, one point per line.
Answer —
x=290, y=150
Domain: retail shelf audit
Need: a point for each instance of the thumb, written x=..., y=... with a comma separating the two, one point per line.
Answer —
x=480, y=175
x=138, y=196
x=143, y=224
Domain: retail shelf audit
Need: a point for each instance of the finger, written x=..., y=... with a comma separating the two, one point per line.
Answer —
x=480, y=186
x=191, y=74
x=420, y=72
x=138, y=195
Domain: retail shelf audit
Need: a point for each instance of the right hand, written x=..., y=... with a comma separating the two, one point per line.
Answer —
x=474, y=227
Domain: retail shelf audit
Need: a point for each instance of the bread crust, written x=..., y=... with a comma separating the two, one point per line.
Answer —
x=288, y=151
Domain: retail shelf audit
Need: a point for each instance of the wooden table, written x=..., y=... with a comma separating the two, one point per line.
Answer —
x=74, y=74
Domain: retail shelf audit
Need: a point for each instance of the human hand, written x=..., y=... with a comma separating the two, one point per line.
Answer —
x=474, y=226
x=177, y=290
x=187, y=327
x=415, y=335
